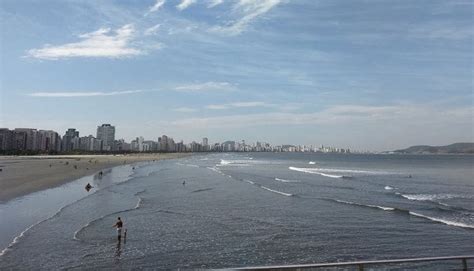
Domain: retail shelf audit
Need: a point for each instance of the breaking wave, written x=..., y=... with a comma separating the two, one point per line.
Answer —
x=275, y=191
x=404, y=211
x=429, y=197
x=286, y=181
x=337, y=170
x=318, y=171
x=137, y=206
x=312, y=163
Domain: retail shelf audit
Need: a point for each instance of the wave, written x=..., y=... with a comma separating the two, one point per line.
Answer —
x=317, y=171
x=191, y=165
x=275, y=191
x=249, y=181
x=126, y=179
x=388, y=187
x=429, y=197
x=137, y=206
x=202, y=190
x=337, y=170
x=408, y=212
x=366, y=205
x=312, y=163
x=286, y=181
x=17, y=238
x=443, y=221
x=233, y=162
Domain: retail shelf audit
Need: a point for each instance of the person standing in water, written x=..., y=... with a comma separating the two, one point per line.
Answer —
x=118, y=225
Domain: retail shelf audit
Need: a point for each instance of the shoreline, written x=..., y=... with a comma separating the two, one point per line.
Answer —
x=23, y=175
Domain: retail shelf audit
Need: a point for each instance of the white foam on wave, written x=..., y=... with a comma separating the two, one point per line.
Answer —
x=337, y=170
x=388, y=187
x=139, y=202
x=331, y=176
x=233, y=163
x=275, y=191
x=434, y=219
x=429, y=197
x=286, y=181
x=312, y=163
x=214, y=169
x=366, y=205
x=444, y=221
x=316, y=171
x=249, y=181
x=225, y=162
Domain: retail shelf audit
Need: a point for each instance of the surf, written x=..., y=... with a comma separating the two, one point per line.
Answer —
x=276, y=191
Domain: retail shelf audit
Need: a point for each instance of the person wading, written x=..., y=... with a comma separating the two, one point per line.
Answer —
x=119, y=225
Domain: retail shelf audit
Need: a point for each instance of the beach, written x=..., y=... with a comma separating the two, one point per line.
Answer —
x=22, y=175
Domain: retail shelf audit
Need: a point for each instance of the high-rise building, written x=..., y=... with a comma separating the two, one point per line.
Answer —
x=67, y=139
x=48, y=141
x=205, y=144
x=106, y=133
x=6, y=139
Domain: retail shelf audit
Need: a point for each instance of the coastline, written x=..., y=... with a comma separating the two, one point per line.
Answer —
x=22, y=175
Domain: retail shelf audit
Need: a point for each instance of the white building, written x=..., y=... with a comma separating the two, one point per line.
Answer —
x=106, y=133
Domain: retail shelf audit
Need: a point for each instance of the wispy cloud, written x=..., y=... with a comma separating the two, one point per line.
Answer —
x=81, y=94
x=158, y=4
x=185, y=109
x=378, y=116
x=248, y=11
x=185, y=4
x=207, y=86
x=213, y=3
x=238, y=105
x=100, y=43
x=152, y=30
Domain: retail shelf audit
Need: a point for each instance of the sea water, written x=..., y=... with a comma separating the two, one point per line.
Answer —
x=245, y=209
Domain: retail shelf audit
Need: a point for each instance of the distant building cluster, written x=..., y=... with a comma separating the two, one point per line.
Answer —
x=33, y=140
x=230, y=146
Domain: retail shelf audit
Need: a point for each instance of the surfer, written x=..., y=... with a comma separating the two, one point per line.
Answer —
x=184, y=183
x=118, y=225
x=88, y=187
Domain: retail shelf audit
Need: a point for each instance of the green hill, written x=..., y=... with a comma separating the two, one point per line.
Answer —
x=459, y=148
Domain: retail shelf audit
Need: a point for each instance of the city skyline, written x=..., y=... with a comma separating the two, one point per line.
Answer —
x=346, y=74
x=37, y=140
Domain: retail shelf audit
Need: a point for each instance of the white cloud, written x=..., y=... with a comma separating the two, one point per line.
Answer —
x=208, y=86
x=185, y=109
x=213, y=3
x=217, y=106
x=152, y=30
x=249, y=10
x=185, y=4
x=156, y=6
x=238, y=105
x=81, y=94
x=100, y=43
x=397, y=117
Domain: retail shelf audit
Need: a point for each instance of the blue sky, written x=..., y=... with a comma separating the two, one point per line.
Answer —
x=373, y=75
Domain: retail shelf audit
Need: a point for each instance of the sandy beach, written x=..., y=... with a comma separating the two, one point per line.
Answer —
x=21, y=175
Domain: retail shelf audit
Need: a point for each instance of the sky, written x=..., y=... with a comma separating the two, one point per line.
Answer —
x=364, y=74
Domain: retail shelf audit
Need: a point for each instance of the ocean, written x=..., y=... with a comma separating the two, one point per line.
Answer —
x=225, y=210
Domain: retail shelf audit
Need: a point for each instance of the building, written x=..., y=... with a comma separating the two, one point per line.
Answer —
x=48, y=141
x=205, y=144
x=106, y=133
x=6, y=139
x=67, y=139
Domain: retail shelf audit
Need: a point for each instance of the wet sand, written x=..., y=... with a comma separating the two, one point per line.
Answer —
x=21, y=175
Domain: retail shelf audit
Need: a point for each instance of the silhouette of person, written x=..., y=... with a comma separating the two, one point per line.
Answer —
x=118, y=225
